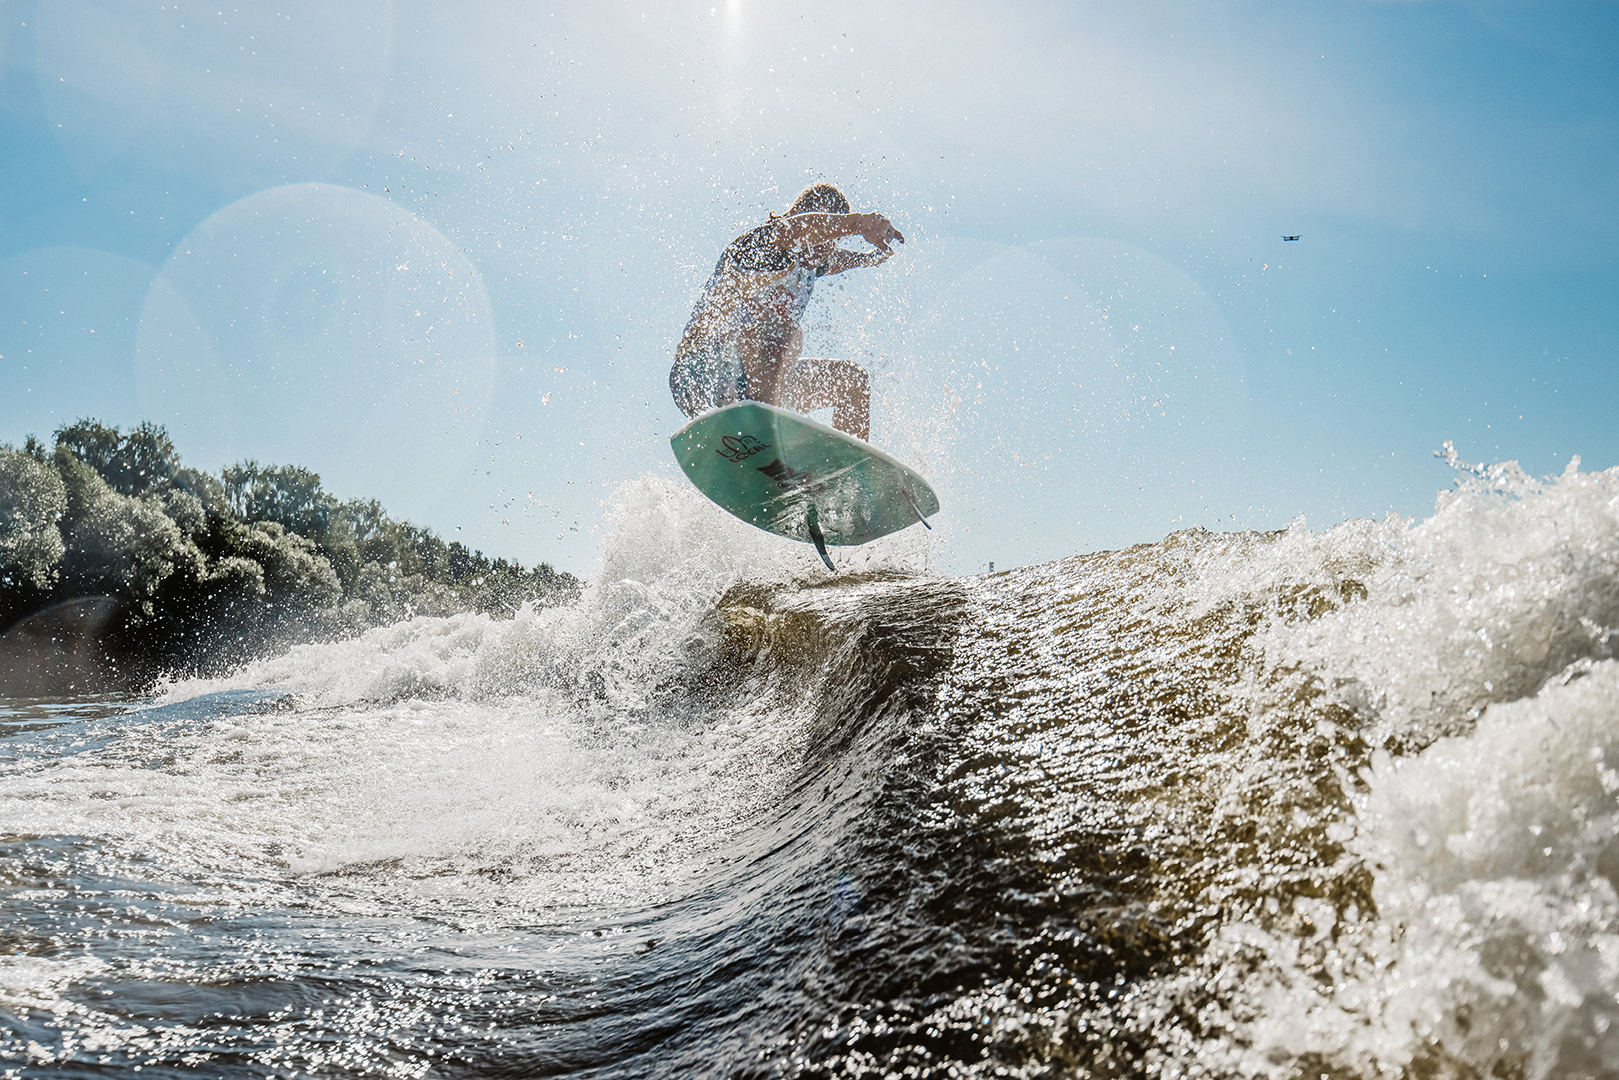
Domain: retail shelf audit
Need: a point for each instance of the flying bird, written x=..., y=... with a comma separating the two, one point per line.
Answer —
x=1289, y=238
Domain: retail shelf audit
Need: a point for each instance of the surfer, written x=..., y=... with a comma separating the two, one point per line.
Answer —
x=744, y=341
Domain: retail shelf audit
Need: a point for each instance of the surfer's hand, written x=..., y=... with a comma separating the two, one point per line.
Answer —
x=877, y=231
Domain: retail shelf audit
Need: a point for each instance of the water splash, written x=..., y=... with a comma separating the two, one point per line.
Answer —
x=1244, y=804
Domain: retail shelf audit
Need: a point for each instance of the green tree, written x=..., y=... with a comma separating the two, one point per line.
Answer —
x=296, y=575
x=286, y=494
x=116, y=545
x=131, y=464
x=32, y=501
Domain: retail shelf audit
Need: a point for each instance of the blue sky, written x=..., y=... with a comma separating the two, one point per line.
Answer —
x=441, y=253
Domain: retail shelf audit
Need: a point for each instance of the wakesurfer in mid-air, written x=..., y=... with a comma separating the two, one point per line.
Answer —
x=741, y=374
x=744, y=341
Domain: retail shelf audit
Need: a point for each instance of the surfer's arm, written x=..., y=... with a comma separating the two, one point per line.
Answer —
x=813, y=230
x=842, y=260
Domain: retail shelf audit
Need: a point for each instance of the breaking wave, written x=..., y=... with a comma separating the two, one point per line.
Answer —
x=1281, y=804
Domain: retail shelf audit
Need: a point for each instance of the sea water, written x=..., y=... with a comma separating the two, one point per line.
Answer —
x=1295, y=804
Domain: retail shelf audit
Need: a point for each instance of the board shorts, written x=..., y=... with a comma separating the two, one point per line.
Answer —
x=708, y=378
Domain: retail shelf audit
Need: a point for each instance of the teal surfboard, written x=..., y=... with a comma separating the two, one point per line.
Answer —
x=800, y=479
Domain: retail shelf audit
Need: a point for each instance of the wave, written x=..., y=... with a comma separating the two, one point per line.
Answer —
x=1247, y=804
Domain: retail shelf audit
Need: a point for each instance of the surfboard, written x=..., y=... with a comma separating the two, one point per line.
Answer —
x=798, y=478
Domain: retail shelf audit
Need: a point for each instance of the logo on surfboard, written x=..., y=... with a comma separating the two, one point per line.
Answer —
x=737, y=447
x=788, y=478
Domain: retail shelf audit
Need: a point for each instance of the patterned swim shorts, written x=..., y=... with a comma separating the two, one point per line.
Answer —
x=706, y=379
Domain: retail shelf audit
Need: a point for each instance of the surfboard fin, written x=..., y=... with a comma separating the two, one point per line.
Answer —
x=915, y=509
x=812, y=524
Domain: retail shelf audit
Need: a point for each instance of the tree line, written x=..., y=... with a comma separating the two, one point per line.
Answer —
x=206, y=570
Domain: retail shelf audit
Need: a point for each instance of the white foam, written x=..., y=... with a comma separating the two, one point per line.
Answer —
x=535, y=753
x=1482, y=649
x=668, y=555
x=1511, y=580
x=529, y=789
x=1498, y=854
x=1497, y=938
x=35, y=983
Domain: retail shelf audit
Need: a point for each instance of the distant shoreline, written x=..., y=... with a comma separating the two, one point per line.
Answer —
x=118, y=564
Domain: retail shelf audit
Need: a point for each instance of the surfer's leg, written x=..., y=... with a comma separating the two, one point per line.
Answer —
x=818, y=382
x=768, y=352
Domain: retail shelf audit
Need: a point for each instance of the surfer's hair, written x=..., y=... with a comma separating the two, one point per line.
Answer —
x=819, y=199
